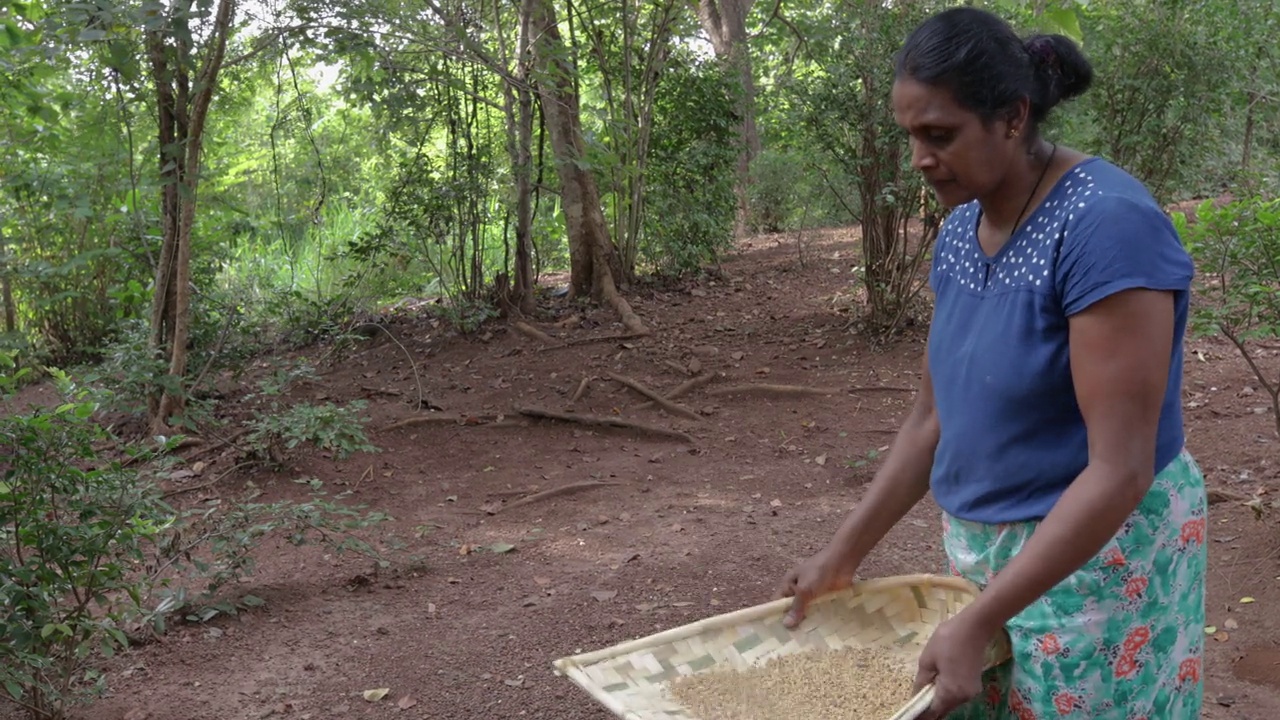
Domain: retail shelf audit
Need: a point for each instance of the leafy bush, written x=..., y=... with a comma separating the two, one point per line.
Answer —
x=1237, y=246
x=72, y=528
x=689, y=211
x=90, y=552
x=845, y=113
x=328, y=427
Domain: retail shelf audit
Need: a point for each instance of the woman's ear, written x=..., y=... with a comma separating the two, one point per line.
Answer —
x=1016, y=118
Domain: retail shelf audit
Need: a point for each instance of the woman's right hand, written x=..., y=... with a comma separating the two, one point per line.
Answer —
x=824, y=572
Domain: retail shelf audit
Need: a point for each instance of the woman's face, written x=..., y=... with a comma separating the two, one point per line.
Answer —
x=960, y=157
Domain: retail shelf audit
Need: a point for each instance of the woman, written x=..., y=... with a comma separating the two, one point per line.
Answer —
x=1048, y=423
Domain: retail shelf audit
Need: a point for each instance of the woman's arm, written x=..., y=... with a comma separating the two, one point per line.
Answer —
x=1120, y=349
x=899, y=484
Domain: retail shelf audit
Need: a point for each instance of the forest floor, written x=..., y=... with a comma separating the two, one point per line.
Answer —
x=674, y=531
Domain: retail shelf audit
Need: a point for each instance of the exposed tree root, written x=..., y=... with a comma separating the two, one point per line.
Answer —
x=1218, y=495
x=582, y=388
x=604, y=422
x=554, y=492
x=664, y=403
x=773, y=390
x=465, y=421
x=683, y=388
x=535, y=333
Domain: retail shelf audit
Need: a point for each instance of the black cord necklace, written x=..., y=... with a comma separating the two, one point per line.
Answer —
x=1034, y=190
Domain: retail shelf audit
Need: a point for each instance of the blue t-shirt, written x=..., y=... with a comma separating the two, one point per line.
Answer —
x=1013, y=437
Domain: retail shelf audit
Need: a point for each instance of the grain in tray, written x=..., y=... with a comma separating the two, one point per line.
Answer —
x=870, y=683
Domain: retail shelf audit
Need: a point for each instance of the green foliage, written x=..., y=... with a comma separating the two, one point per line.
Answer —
x=845, y=112
x=690, y=202
x=329, y=427
x=1156, y=106
x=212, y=547
x=72, y=529
x=1237, y=245
x=90, y=552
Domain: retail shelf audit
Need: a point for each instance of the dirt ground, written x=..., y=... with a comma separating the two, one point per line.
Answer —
x=674, y=531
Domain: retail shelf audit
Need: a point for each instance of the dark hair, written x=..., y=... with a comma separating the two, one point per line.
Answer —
x=988, y=68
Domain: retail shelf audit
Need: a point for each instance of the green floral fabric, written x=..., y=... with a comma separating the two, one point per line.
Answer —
x=1120, y=639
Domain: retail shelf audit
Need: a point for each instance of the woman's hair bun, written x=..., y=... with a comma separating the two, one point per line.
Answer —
x=1063, y=70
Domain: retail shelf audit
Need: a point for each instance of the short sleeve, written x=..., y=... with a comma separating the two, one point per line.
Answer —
x=1117, y=243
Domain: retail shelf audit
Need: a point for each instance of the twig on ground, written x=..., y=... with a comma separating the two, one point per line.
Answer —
x=417, y=379
x=1218, y=495
x=209, y=483
x=598, y=339
x=555, y=492
x=465, y=420
x=773, y=390
x=676, y=366
x=535, y=333
x=664, y=403
x=603, y=421
x=683, y=389
x=582, y=388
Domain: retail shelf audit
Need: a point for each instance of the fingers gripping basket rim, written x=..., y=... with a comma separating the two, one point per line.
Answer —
x=630, y=678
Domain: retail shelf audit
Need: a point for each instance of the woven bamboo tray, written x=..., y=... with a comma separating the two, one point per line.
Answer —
x=632, y=678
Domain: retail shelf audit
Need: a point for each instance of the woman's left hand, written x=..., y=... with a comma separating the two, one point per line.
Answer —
x=953, y=661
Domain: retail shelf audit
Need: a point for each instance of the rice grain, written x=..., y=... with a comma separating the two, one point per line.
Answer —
x=852, y=684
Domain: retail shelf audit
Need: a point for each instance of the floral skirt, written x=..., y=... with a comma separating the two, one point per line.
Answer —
x=1120, y=639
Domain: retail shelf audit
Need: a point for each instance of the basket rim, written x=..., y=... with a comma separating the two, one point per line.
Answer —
x=569, y=664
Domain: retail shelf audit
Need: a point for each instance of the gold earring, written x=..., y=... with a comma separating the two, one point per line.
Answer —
x=1013, y=133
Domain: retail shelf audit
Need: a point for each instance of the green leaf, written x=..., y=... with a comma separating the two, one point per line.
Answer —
x=14, y=689
x=1066, y=21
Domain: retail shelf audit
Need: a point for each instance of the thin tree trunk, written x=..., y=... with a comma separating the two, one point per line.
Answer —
x=593, y=259
x=6, y=288
x=725, y=22
x=182, y=115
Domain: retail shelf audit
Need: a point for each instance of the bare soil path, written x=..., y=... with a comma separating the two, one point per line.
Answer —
x=672, y=530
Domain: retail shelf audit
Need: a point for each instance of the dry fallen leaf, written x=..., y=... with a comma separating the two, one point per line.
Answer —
x=821, y=460
x=1246, y=600
x=1231, y=624
x=406, y=702
x=604, y=595
x=375, y=695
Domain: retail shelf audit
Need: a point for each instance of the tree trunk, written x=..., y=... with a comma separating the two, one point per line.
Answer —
x=522, y=159
x=181, y=115
x=725, y=22
x=594, y=261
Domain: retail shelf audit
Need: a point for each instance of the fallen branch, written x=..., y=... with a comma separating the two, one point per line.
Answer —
x=604, y=421
x=534, y=333
x=465, y=420
x=598, y=339
x=208, y=483
x=1217, y=495
x=582, y=388
x=880, y=388
x=676, y=366
x=773, y=390
x=683, y=388
x=555, y=492
x=664, y=403
x=423, y=401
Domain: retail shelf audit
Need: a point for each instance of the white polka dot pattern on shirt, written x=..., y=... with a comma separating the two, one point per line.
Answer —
x=1025, y=261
